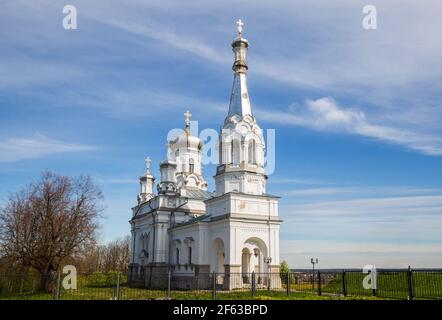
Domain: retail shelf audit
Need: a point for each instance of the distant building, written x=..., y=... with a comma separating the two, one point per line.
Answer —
x=190, y=231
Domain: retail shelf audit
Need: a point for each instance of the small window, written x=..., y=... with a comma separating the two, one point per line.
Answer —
x=235, y=151
x=252, y=152
x=191, y=166
x=190, y=255
x=177, y=257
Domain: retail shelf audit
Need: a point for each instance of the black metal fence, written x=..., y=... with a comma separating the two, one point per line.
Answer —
x=390, y=283
x=296, y=284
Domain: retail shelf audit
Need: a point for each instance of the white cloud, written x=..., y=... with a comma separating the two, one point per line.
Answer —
x=386, y=230
x=132, y=102
x=377, y=220
x=325, y=114
x=16, y=149
x=299, y=246
x=368, y=207
x=318, y=191
x=337, y=254
x=280, y=180
x=364, y=191
x=394, y=75
x=159, y=32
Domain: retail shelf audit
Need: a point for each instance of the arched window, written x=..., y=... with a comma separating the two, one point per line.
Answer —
x=146, y=244
x=235, y=151
x=231, y=151
x=183, y=164
x=221, y=153
x=191, y=166
x=190, y=255
x=177, y=256
x=252, y=151
x=142, y=241
x=145, y=239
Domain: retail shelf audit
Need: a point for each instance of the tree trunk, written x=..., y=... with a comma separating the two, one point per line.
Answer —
x=47, y=282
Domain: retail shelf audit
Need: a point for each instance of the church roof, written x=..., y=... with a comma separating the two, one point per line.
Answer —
x=239, y=100
x=201, y=218
x=198, y=194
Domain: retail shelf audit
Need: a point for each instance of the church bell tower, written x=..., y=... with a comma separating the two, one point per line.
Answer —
x=241, y=143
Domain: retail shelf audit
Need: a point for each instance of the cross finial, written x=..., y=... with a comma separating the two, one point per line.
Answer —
x=147, y=161
x=187, y=114
x=240, y=27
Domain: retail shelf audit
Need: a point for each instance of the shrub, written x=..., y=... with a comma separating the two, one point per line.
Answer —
x=283, y=269
x=111, y=278
x=97, y=279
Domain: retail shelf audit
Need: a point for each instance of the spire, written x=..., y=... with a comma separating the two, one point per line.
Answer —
x=239, y=100
x=146, y=184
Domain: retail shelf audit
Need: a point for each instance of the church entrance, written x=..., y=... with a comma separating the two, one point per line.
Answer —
x=252, y=260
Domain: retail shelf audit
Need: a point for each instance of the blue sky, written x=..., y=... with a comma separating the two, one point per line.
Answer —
x=357, y=113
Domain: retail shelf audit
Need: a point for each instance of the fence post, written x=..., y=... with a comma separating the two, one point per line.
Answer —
x=319, y=283
x=213, y=286
x=58, y=288
x=344, y=283
x=118, y=287
x=313, y=280
x=169, y=278
x=410, y=284
x=288, y=283
x=253, y=284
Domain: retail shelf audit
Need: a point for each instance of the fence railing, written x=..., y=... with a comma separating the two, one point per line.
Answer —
x=332, y=283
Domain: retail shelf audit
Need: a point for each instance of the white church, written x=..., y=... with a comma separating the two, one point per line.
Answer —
x=188, y=231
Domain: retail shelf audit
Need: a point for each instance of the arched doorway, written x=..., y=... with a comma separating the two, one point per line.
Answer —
x=217, y=256
x=252, y=259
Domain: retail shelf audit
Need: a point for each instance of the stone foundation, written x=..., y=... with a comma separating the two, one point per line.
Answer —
x=232, y=277
x=156, y=276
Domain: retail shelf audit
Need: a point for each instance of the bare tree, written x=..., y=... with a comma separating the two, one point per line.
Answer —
x=113, y=256
x=116, y=255
x=49, y=221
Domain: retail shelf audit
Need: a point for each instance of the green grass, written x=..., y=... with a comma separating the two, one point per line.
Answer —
x=106, y=293
x=392, y=285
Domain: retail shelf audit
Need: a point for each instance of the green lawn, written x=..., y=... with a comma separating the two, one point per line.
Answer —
x=103, y=293
x=391, y=285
